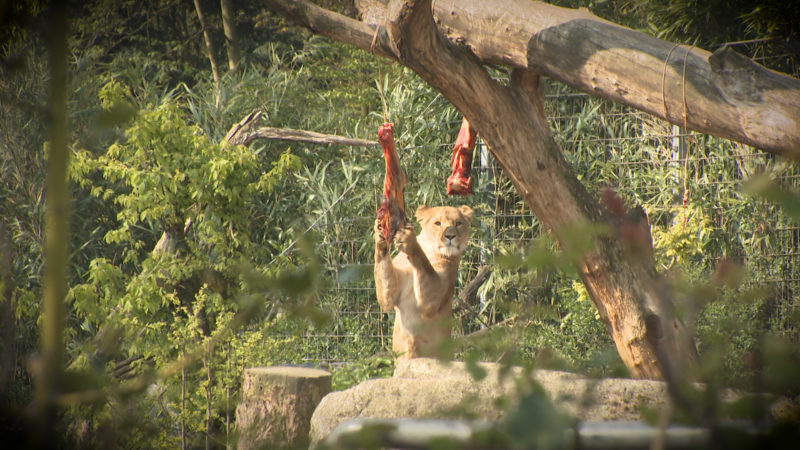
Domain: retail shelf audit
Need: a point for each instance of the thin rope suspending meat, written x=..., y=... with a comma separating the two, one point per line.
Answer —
x=460, y=181
x=392, y=212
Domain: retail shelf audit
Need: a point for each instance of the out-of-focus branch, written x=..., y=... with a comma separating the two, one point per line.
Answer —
x=49, y=373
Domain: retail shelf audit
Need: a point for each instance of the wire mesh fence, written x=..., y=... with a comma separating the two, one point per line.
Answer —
x=669, y=171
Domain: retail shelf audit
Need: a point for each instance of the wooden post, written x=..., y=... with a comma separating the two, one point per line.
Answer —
x=277, y=404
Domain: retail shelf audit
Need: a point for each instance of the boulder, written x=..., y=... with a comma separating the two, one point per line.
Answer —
x=428, y=388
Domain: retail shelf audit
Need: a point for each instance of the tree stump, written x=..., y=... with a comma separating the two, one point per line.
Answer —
x=277, y=404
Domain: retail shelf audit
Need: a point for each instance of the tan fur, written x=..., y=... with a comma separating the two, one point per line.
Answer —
x=418, y=284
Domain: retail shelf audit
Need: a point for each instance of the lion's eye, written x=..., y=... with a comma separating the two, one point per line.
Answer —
x=459, y=223
x=437, y=223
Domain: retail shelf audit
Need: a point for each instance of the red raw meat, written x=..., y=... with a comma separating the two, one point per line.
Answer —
x=460, y=181
x=392, y=212
x=631, y=225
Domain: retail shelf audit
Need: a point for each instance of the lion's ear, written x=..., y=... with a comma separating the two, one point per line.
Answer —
x=423, y=213
x=466, y=211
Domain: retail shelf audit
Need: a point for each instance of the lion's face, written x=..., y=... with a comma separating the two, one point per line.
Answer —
x=445, y=228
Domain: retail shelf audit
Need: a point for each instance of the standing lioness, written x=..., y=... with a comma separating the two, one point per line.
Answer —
x=420, y=281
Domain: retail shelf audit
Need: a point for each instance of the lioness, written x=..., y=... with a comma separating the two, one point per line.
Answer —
x=420, y=281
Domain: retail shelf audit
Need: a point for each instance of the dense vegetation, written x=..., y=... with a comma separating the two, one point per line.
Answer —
x=191, y=259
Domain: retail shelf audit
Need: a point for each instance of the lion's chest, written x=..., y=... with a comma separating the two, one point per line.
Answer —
x=408, y=311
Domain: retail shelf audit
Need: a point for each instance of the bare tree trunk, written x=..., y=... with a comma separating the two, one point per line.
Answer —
x=511, y=120
x=229, y=27
x=209, y=42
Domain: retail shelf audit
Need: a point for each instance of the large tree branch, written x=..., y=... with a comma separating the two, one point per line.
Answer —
x=335, y=26
x=721, y=94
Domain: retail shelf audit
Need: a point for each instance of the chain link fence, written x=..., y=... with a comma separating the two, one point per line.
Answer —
x=648, y=161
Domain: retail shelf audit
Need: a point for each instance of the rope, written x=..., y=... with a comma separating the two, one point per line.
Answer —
x=686, y=129
x=663, y=82
x=685, y=200
x=380, y=72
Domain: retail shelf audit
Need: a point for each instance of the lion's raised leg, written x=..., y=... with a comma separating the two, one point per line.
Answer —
x=385, y=276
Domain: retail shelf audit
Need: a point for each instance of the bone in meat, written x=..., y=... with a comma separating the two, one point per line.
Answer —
x=460, y=181
x=392, y=212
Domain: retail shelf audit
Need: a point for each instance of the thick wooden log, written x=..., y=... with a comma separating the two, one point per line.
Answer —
x=277, y=404
x=722, y=93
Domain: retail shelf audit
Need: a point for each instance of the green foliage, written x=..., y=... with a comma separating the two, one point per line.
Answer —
x=167, y=176
x=360, y=370
x=788, y=200
x=167, y=171
x=536, y=422
x=684, y=242
x=730, y=330
x=557, y=326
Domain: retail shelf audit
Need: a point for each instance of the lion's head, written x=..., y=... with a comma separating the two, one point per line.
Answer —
x=445, y=229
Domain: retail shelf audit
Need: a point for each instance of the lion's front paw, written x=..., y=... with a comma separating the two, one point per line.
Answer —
x=381, y=246
x=405, y=238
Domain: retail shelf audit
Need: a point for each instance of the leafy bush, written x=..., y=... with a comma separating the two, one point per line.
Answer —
x=184, y=296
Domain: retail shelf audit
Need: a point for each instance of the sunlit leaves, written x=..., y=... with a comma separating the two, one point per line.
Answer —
x=789, y=201
x=180, y=297
x=684, y=241
x=361, y=370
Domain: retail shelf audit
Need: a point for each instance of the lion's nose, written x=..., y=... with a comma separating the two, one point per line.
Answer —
x=450, y=234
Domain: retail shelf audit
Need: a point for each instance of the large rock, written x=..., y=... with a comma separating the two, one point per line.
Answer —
x=277, y=404
x=427, y=388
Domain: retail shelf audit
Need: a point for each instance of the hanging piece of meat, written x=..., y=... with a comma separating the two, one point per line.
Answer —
x=632, y=227
x=392, y=212
x=460, y=181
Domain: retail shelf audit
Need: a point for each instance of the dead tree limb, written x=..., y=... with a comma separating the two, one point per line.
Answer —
x=311, y=137
x=466, y=298
x=246, y=131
